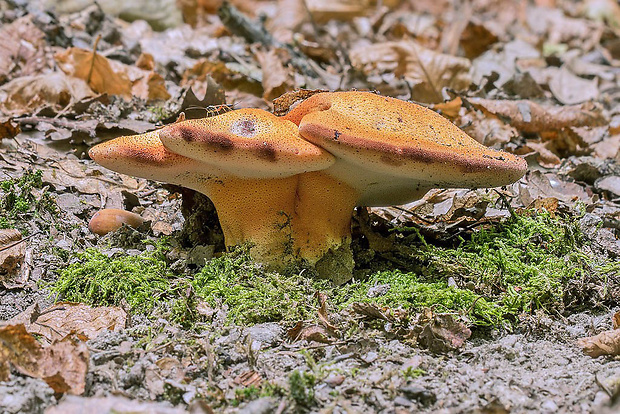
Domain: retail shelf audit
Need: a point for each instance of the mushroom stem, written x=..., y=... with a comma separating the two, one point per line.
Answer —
x=250, y=212
x=322, y=225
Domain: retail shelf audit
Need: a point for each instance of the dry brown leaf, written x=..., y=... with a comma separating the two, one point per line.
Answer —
x=282, y=104
x=8, y=128
x=487, y=129
x=546, y=157
x=248, y=378
x=289, y=16
x=60, y=320
x=541, y=185
x=95, y=69
x=324, y=10
x=449, y=109
x=304, y=332
x=476, y=39
x=146, y=61
x=530, y=117
x=605, y=343
x=276, y=80
x=12, y=251
x=145, y=84
x=22, y=49
x=615, y=320
x=322, y=312
x=440, y=332
x=30, y=93
x=427, y=71
x=374, y=311
x=570, y=89
x=555, y=27
x=63, y=365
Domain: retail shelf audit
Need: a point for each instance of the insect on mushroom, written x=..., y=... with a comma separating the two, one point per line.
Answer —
x=288, y=185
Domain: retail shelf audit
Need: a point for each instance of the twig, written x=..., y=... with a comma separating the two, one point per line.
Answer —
x=19, y=241
x=240, y=25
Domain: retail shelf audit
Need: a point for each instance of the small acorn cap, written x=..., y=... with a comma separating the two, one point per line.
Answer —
x=393, y=151
x=111, y=219
x=246, y=143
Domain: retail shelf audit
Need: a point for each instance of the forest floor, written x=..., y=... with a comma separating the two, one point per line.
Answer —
x=466, y=301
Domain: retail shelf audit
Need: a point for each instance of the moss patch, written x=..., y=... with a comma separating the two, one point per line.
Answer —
x=22, y=199
x=253, y=295
x=523, y=264
x=95, y=278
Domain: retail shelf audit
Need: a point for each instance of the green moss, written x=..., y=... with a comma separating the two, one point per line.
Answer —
x=253, y=295
x=95, y=278
x=301, y=387
x=411, y=373
x=524, y=264
x=22, y=199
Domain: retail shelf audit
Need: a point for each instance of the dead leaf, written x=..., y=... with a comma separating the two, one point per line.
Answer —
x=276, y=80
x=541, y=185
x=615, y=320
x=283, y=104
x=145, y=84
x=440, y=332
x=248, y=378
x=22, y=49
x=528, y=116
x=476, y=39
x=12, y=251
x=325, y=10
x=605, y=343
x=95, y=70
x=289, y=16
x=570, y=89
x=487, y=129
x=304, y=332
x=63, y=365
x=58, y=321
x=146, y=61
x=374, y=311
x=8, y=128
x=449, y=109
x=31, y=93
x=322, y=312
x=427, y=71
x=546, y=157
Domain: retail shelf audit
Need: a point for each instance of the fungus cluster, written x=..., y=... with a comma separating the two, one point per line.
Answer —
x=288, y=185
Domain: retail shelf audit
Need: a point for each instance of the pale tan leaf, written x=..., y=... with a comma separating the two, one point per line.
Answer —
x=30, y=93
x=58, y=321
x=427, y=71
x=63, y=365
x=22, y=50
x=276, y=80
x=528, y=116
x=605, y=343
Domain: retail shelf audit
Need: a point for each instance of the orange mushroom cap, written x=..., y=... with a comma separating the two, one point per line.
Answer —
x=145, y=156
x=247, y=143
x=393, y=151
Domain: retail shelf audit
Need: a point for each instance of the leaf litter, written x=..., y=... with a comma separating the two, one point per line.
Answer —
x=537, y=79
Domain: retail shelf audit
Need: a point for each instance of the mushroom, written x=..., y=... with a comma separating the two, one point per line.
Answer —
x=388, y=152
x=289, y=184
x=246, y=161
x=111, y=219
